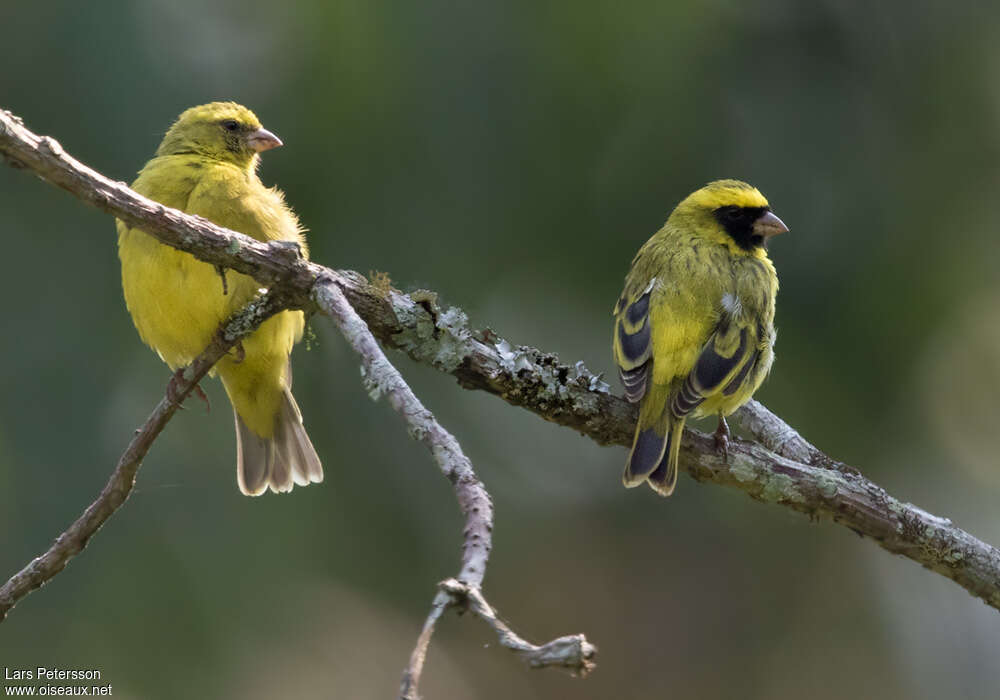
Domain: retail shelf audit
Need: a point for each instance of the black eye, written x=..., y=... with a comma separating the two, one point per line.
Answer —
x=230, y=125
x=734, y=213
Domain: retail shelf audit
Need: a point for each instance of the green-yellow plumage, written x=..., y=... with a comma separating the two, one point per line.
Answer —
x=694, y=327
x=206, y=165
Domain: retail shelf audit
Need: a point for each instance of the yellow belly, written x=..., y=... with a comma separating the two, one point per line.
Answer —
x=176, y=301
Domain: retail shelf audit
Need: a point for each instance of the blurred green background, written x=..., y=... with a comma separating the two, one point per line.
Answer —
x=513, y=156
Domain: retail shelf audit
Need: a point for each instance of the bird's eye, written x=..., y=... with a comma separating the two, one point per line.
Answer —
x=734, y=214
x=230, y=125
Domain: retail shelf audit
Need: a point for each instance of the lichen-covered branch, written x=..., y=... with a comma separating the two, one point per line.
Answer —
x=791, y=473
x=382, y=379
x=298, y=284
x=71, y=542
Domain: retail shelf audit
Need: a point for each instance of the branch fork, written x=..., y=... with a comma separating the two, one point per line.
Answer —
x=572, y=652
x=783, y=468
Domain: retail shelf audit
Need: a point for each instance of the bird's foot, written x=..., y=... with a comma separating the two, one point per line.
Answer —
x=174, y=388
x=174, y=391
x=201, y=395
x=722, y=438
x=237, y=353
x=225, y=284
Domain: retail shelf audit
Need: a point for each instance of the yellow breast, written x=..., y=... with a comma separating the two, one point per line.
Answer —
x=177, y=302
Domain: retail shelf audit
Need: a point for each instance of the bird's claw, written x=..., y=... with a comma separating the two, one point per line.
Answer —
x=204, y=397
x=722, y=439
x=174, y=391
x=722, y=447
x=225, y=284
x=238, y=353
x=173, y=388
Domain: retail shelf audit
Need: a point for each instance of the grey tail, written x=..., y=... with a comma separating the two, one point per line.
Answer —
x=280, y=462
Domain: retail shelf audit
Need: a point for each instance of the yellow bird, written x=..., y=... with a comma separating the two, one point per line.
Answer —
x=694, y=326
x=206, y=165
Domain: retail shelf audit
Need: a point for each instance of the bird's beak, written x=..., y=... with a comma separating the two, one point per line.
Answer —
x=262, y=140
x=769, y=225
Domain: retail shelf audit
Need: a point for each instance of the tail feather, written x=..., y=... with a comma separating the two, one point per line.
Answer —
x=254, y=459
x=290, y=434
x=280, y=462
x=647, y=452
x=664, y=479
x=656, y=447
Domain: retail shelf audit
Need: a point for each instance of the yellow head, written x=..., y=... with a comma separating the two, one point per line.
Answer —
x=729, y=212
x=222, y=131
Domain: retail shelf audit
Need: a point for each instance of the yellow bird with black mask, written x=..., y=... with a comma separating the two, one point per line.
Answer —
x=694, y=326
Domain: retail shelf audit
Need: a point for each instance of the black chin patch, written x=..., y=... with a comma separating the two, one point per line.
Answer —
x=738, y=223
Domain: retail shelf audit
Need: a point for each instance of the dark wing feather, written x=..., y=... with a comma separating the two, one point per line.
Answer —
x=632, y=343
x=634, y=381
x=721, y=367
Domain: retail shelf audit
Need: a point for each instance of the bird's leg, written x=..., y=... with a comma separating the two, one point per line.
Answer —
x=722, y=437
x=225, y=285
x=237, y=353
x=201, y=395
x=173, y=390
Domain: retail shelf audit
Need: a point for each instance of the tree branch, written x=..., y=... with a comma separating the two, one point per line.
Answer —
x=299, y=284
x=71, y=542
x=573, y=651
x=792, y=473
x=380, y=378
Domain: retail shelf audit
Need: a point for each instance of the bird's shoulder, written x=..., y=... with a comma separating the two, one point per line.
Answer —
x=679, y=268
x=237, y=199
x=170, y=180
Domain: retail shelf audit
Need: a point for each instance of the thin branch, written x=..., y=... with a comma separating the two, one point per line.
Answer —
x=781, y=438
x=568, y=395
x=381, y=378
x=412, y=673
x=572, y=652
x=268, y=263
x=301, y=284
x=73, y=541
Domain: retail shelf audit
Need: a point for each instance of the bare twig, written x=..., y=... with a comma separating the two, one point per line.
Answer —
x=571, y=652
x=381, y=378
x=411, y=674
x=795, y=477
x=782, y=439
x=71, y=542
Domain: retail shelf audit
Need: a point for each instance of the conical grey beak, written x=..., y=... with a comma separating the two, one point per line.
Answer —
x=769, y=225
x=262, y=140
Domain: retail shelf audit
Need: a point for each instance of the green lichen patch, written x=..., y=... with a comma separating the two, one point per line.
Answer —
x=775, y=488
x=780, y=488
x=439, y=338
x=826, y=485
x=743, y=469
x=371, y=385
